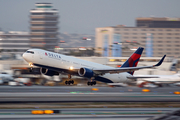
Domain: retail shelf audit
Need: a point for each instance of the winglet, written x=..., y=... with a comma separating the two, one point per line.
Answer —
x=160, y=62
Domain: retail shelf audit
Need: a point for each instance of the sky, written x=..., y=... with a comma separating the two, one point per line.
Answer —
x=83, y=16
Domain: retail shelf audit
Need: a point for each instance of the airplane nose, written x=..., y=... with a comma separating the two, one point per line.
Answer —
x=24, y=56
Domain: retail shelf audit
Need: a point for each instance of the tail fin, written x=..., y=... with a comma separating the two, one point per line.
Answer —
x=133, y=59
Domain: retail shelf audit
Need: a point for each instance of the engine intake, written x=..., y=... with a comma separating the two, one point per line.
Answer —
x=48, y=72
x=85, y=72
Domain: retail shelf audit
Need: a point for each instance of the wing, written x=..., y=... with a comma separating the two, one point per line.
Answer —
x=126, y=69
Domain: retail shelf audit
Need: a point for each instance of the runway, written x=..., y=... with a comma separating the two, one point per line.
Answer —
x=87, y=113
x=33, y=94
x=72, y=117
x=84, y=89
x=58, y=95
x=94, y=111
x=81, y=97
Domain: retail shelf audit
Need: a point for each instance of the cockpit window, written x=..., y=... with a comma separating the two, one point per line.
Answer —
x=30, y=52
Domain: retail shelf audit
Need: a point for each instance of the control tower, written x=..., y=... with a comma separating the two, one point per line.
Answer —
x=44, y=26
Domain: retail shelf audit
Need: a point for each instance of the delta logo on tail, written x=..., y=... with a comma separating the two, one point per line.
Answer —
x=134, y=59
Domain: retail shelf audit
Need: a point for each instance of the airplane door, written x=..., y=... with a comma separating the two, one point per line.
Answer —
x=32, y=56
x=40, y=55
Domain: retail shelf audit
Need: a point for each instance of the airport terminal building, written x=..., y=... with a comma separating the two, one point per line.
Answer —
x=158, y=36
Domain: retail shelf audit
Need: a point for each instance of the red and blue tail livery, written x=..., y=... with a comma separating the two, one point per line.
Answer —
x=133, y=59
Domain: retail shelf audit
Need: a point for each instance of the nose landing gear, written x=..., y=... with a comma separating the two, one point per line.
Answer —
x=31, y=67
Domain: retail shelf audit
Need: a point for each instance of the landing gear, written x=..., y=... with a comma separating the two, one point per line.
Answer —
x=69, y=82
x=31, y=67
x=31, y=70
x=91, y=83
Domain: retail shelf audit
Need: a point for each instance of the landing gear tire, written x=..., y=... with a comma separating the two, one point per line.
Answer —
x=72, y=81
x=88, y=83
x=91, y=83
x=69, y=82
x=94, y=82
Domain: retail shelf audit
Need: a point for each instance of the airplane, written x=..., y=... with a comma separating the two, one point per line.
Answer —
x=157, y=80
x=85, y=38
x=53, y=63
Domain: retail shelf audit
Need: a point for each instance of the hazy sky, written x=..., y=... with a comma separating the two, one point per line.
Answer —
x=83, y=16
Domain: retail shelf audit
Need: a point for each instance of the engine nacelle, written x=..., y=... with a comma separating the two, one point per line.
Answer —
x=48, y=72
x=85, y=72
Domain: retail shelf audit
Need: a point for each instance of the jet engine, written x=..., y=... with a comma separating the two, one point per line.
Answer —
x=85, y=72
x=48, y=72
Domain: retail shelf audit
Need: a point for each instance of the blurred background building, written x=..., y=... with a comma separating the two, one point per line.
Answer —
x=14, y=42
x=164, y=34
x=44, y=26
x=113, y=45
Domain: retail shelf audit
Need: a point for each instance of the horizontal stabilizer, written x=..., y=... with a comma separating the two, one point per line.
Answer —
x=134, y=77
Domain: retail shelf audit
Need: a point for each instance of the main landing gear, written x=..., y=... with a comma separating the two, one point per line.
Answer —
x=69, y=82
x=92, y=82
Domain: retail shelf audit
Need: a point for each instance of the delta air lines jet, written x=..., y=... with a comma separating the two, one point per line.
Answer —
x=53, y=63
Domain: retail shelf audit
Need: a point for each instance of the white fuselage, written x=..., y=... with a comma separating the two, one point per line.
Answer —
x=48, y=59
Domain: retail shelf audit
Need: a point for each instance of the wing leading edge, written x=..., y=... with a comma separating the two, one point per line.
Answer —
x=126, y=69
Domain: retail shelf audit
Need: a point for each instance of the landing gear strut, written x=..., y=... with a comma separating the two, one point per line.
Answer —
x=68, y=82
x=31, y=67
x=31, y=70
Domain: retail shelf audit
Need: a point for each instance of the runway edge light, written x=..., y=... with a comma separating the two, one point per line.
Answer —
x=176, y=92
x=48, y=111
x=37, y=112
x=94, y=89
x=145, y=90
x=45, y=111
